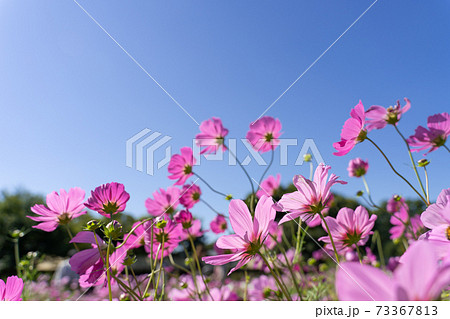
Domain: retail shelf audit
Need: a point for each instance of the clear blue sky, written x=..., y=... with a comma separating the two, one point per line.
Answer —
x=70, y=97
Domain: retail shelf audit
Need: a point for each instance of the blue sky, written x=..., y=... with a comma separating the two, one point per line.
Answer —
x=71, y=97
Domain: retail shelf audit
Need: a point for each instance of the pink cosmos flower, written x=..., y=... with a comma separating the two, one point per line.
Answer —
x=190, y=227
x=12, y=290
x=212, y=136
x=136, y=239
x=357, y=167
x=395, y=203
x=190, y=195
x=269, y=186
x=108, y=199
x=411, y=280
x=88, y=263
x=250, y=234
x=399, y=222
x=264, y=133
x=350, y=228
x=180, y=166
x=353, y=131
x=437, y=218
x=275, y=235
x=262, y=288
x=223, y=293
x=378, y=116
x=165, y=231
x=163, y=202
x=433, y=137
x=61, y=209
x=310, y=198
x=219, y=224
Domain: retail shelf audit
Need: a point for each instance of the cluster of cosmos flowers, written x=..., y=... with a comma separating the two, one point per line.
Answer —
x=253, y=258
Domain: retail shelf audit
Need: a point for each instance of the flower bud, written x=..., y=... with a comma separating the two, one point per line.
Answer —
x=93, y=225
x=113, y=230
x=359, y=193
x=307, y=157
x=17, y=233
x=229, y=197
x=130, y=259
x=423, y=162
x=124, y=297
x=161, y=224
x=184, y=217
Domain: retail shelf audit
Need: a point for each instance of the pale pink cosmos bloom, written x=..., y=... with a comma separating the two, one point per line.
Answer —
x=264, y=133
x=180, y=165
x=399, y=222
x=219, y=224
x=223, y=293
x=61, y=209
x=108, y=199
x=212, y=136
x=357, y=167
x=420, y=276
x=437, y=218
x=163, y=202
x=190, y=226
x=168, y=232
x=190, y=195
x=261, y=288
x=12, y=290
x=350, y=228
x=250, y=234
x=353, y=131
x=310, y=198
x=378, y=116
x=395, y=203
x=432, y=138
x=269, y=186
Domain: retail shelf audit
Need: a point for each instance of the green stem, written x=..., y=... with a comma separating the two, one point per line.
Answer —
x=71, y=237
x=412, y=159
x=380, y=247
x=246, y=284
x=297, y=245
x=108, y=271
x=160, y=267
x=329, y=235
x=209, y=186
x=194, y=252
x=285, y=293
x=427, y=183
x=397, y=173
x=132, y=231
x=17, y=256
x=209, y=206
x=445, y=146
x=359, y=254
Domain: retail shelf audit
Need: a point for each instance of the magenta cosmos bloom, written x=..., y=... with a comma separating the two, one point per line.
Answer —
x=353, y=131
x=432, y=138
x=190, y=227
x=250, y=234
x=89, y=264
x=437, y=218
x=108, y=199
x=12, y=290
x=378, y=116
x=357, y=167
x=219, y=224
x=350, y=228
x=190, y=195
x=310, y=198
x=420, y=276
x=212, y=136
x=163, y=202
x=166, y=232
x=61, y=209
x=269, y=186
x=264, y=133
x=180, y=165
